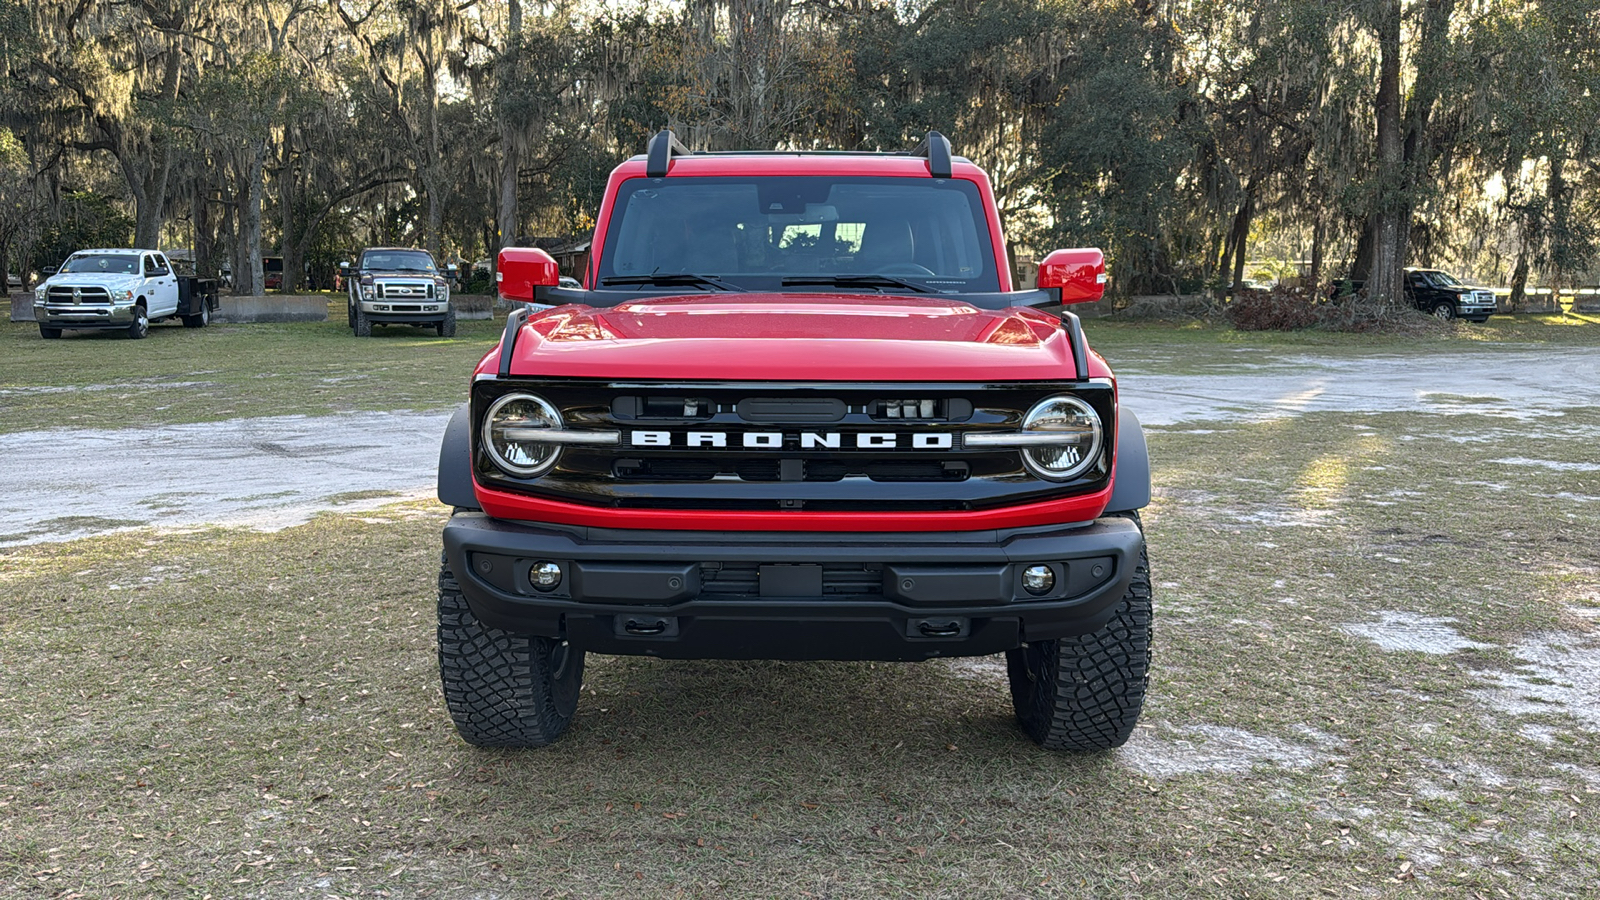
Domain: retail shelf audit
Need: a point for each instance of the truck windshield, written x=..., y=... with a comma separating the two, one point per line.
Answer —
x=101, y=264
x=398, y=261
x=1444, y=279
x=802, y=233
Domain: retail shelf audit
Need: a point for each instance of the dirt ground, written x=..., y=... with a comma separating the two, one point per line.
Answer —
x=1376, y=672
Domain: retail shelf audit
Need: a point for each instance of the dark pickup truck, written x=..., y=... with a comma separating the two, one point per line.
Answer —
x=1438, y=293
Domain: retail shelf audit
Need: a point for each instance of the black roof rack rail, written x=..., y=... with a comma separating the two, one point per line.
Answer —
x=664, y=145
x=936, y=150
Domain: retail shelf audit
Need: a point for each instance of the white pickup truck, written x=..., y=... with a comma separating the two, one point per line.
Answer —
x=120, y=289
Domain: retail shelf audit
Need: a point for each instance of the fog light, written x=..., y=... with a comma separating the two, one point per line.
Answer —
x=1038, y=580
x=544, y=576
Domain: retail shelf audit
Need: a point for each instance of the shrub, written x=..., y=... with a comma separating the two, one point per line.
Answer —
x=1280, y=309
x=1293, y=309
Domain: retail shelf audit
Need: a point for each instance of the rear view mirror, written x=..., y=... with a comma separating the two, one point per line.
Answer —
x=1078, y=276
x=523, y=270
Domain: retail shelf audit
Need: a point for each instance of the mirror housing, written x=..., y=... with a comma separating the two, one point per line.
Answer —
x=522, y=271
x=344, y=268
x=1077, y=276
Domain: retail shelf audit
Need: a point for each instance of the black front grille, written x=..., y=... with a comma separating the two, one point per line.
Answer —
x=848, y=447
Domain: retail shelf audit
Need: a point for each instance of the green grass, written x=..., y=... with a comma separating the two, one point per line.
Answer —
x=237, y=714
x=231, y=371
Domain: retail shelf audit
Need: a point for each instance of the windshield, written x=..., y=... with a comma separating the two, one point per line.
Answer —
x=102, y=264
x=811, y=232
x=1444, y=279
x=398, y=261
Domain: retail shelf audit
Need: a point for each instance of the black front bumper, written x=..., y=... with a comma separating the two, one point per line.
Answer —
x=713, y=595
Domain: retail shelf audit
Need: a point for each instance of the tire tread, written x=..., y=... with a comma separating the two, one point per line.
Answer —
x=1086, y=693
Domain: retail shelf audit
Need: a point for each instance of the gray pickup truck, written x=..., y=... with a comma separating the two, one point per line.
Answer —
x=399, y=286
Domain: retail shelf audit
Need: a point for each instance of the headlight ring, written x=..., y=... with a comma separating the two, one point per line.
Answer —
x=1081, y=431
x=519, y=455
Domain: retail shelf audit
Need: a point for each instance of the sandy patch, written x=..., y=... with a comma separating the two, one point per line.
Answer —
x=265, y=473
x=1559, y=674
x=1169, y=751
x=1518, y=384
x=1413, y=632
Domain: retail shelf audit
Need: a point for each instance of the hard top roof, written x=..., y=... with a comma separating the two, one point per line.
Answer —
x=933, y=157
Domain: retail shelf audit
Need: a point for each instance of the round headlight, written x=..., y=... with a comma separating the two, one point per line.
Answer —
x=510, y=434
x=1078, y=426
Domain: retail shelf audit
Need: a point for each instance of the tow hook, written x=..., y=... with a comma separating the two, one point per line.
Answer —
x=652, y=627
x=940, y=628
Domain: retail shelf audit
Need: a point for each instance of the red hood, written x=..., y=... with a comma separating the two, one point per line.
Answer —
x=784, y=337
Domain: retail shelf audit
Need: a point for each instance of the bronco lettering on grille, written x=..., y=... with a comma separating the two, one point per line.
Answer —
x=807, y=440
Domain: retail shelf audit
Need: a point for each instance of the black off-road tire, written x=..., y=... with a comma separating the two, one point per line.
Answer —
x=49, y=333
x=349, y=311
x=141, y=322
x=447, y=328
x=363, y=324
x=503, y=689
x=1086, y=692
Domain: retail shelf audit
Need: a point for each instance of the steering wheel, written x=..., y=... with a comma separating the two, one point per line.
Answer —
x=902, y=268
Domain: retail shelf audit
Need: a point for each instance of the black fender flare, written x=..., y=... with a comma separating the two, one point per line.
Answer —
x=1131, y=473
x=455, y=461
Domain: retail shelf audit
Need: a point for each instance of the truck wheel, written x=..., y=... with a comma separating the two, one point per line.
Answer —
x=362, y=324
x=49, y=333
x=1086, y=692
x=141, y=323
x=503, y=689
x=350, y=311
x=1444, y=310
x=447, y=328
x=200, y=319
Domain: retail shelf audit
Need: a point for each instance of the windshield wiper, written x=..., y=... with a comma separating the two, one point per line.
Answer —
x=869, y=281
x=672, y=279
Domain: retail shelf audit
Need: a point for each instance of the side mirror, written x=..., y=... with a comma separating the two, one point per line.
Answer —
x=522, y=271
x=47, y=271
x=451, y=268
x=344, y=268
x=1078, y=276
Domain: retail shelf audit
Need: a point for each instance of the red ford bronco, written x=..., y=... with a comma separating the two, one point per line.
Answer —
x=796, y=412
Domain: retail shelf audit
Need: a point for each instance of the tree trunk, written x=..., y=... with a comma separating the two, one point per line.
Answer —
x=435, y=218
x=157, y=174
x=288, y=208
x=1241, y=238
x=1391, y=222
x=1318, y=235
x=250, y=226
x=204, y=240
x=1519, y=280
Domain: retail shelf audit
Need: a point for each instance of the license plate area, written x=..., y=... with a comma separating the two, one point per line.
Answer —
x=790, y=581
